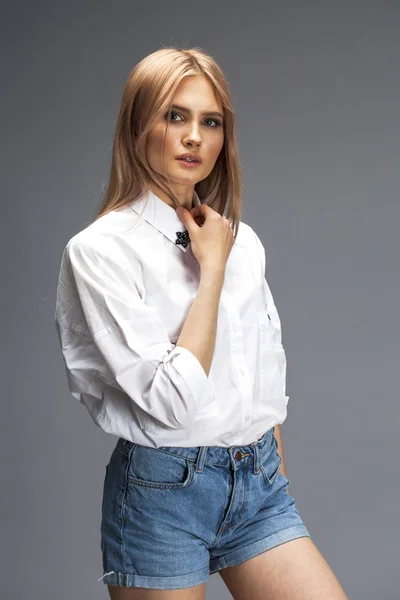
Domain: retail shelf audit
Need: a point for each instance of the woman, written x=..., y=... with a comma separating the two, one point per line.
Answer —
x=172, y=341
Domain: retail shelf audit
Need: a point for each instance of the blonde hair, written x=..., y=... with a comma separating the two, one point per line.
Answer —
x=148, y=94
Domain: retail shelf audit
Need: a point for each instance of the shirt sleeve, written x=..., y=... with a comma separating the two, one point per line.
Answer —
x=166, y=381
x=268, y=298
x=273, y=314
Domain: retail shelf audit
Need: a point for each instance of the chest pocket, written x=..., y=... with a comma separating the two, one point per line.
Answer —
x=272, y=370
x=269, y=327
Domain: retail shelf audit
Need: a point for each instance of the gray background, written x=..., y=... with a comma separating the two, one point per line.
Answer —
x=316, y=91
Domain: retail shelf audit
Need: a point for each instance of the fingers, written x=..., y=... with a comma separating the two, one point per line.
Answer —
x=197, y=215
x=187, y=218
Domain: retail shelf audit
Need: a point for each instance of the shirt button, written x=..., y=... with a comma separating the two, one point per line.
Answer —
x=235, y=327
x=247, y=417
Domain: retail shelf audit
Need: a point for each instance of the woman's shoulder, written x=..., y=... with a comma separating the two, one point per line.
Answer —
x=244, y=233
x=104, y=232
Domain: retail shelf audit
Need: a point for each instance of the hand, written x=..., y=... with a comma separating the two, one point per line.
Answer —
x=211, y=235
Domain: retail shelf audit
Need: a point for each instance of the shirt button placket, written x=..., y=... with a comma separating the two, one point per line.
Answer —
x=237, y=349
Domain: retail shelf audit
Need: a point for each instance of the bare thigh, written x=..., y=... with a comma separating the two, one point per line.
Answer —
x=294, y=570
x=134, y=593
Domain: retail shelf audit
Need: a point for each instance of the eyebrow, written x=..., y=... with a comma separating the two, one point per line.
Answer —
x=205, y=112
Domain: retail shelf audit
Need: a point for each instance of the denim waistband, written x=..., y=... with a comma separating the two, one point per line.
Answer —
x=235, y=456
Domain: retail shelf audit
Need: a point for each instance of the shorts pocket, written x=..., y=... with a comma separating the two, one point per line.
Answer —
x=270, y=463
x=104, y=488
x=154, y=468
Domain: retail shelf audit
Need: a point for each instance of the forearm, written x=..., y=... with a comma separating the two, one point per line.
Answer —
x=199, y=330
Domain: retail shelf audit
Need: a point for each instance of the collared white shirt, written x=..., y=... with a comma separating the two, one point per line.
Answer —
x=122, y=298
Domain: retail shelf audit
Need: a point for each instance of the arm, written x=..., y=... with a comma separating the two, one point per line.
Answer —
x=278, y=436
x=200, y=327
x=270, y=303
x=129, y=345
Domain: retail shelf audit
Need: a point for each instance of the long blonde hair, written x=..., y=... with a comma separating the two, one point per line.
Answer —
x=147, y=95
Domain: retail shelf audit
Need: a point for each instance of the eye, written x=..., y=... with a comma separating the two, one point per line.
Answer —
x=217, y=123
x=174, y=113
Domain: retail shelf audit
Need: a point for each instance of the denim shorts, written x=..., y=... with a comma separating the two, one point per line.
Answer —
x=171, y=516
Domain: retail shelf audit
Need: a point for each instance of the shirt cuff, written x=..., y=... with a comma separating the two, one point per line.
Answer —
x=198, y=384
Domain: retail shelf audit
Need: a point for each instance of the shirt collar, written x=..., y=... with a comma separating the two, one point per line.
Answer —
x=164, y=218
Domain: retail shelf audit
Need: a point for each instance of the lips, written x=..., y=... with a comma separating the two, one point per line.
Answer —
x=194, y=157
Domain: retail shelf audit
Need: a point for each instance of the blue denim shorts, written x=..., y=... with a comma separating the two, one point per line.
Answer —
x=171, y=516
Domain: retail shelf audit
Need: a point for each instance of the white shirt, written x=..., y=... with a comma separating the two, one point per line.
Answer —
x=123, y=296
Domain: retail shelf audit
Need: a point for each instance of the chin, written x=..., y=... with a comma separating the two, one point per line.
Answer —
x=190, y=175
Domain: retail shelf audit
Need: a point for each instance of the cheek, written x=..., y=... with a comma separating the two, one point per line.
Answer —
x=215, y=148
x=155, y=143
x=154, y=140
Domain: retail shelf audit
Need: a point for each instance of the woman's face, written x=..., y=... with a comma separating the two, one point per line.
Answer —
x=196, y=126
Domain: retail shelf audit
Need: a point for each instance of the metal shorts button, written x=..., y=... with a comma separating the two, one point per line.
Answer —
x=239, y=455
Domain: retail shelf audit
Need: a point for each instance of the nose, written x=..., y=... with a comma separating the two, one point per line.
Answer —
x=193, y=135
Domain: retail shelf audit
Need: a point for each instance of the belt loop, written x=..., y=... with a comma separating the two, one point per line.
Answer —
x=201, y=458
x=256, y=459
